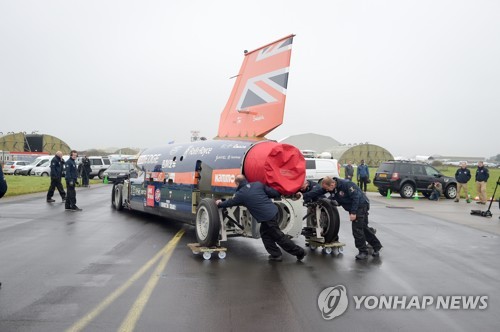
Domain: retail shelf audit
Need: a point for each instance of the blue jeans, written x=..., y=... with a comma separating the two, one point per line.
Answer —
x=434, y=195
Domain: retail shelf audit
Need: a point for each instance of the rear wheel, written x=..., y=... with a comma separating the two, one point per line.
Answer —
x=207, y=223
x=407, y=190
x=329, y=220
x=451, y=191
x=45, y=174
x=117, y=197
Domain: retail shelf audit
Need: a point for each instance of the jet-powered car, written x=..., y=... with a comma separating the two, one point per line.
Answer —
x=183, y=181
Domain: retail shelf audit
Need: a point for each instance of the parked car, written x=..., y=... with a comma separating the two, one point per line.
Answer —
x=404, y=177
x=317, y=168
x=26, y=170
x=10, y=167
x=42, y=170
x=120, y=169
x=99, y=165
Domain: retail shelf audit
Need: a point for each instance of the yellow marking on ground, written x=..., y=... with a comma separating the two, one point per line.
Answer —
x=89, y=317
x=135, y=312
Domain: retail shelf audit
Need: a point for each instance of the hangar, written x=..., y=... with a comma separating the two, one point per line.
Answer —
x=22, y=142
x=372, y=154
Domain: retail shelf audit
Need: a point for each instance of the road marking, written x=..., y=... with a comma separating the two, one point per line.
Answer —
x=89, y=317
x=135, y=312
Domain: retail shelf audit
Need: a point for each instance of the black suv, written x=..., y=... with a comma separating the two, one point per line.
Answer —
x=405, y=177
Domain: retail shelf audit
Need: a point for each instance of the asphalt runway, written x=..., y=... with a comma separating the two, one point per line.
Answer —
x=103, y=270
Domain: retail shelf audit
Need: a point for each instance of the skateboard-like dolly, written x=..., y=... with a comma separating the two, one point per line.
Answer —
x=207, y=251
x=333, y=248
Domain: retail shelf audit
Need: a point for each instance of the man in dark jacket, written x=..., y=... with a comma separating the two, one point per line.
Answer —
x=463, y=176
x=482, y=176
x=349, y=171
x=71, y=180
x=256, y=197
x=85, y=171
x=56, y=168
x=353, y=200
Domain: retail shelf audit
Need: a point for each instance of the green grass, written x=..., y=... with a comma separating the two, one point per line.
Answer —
x=21, y=185
x=450, y=171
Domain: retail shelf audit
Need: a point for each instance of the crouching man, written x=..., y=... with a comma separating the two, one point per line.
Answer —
x=256, y=197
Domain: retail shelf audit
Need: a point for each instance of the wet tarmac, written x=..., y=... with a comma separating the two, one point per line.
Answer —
x=103, y=270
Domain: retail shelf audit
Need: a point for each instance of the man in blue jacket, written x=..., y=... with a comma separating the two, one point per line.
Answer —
x=71, y=180
x=482, y=176
x=353, y=200
x=363, y=175
x=256, y=197
x=56, y=168
x=463, y=176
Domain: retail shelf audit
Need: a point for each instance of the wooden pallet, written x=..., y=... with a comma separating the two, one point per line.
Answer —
x=207, y=251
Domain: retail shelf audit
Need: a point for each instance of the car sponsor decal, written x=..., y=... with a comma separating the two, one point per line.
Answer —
x=224, y=177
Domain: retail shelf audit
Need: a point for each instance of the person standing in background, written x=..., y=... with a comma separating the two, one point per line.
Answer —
x=363, y=175
x=463, y=176
x=482, y=176
x=349, y=171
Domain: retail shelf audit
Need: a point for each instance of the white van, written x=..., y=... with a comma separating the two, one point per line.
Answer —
x=317, y=168
x=26, y=170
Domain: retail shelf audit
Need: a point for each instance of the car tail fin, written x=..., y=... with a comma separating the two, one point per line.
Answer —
x=257, y=101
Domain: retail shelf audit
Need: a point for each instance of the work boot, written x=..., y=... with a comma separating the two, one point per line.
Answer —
x=76, y=208
x=457, y=200
x=376, y=252
x=362, y=255
x=302, y=255
x=275, y=258
x=50, y=200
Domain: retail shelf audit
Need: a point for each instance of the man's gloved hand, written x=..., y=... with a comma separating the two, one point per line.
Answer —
x=71, y=183
x=77, y=183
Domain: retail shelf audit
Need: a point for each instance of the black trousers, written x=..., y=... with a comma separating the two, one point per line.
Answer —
x=271, y=235
x=56, y=183
x=85, y=178
x=362, y=233
x=71, y=197
x=363, y=181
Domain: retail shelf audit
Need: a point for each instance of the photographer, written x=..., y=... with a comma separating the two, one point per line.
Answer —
x=437, y=190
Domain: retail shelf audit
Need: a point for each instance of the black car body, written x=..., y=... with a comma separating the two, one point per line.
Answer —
x=405, y=177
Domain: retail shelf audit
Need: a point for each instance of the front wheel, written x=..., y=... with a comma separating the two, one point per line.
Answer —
x=329, y=220
x=451, y=191
x=100, y=175
x=407, y=190
x=207, y=223
x=45, y=174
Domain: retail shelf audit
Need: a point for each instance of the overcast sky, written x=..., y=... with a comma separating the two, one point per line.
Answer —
x=416, y=77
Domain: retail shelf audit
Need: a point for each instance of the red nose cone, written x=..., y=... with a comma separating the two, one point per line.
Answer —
x=280, y=166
